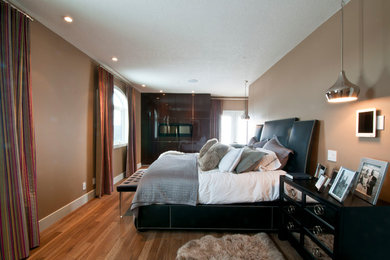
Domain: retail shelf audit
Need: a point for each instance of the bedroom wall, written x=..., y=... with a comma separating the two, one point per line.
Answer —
x=296, y=85
x=63, y=82
x=233, y=104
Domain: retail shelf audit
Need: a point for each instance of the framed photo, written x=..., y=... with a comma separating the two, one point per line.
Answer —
x=333, y=175
x=320, y=183
x=371, y=174
x=342, y=183
x=320, y=170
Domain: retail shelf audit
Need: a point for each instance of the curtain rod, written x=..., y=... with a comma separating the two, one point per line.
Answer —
x=117, y=75
x=18, y=9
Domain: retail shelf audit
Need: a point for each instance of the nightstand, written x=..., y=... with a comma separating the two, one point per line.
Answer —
x=320, y=227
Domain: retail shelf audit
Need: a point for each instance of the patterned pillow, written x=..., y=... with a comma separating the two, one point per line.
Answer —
x=211, y=158
x=281, y=152
x=207, y=146
x=269, y=162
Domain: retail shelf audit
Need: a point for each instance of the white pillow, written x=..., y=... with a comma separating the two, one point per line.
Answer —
x=229, y=162
x=269, y=162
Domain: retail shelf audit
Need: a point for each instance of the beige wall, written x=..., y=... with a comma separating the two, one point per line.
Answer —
x=63, y=108
x=63, y=82
x=233, y=105
x=296, y=85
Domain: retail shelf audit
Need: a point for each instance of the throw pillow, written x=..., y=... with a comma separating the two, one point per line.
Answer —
x=250, y=158
x=229, y=162
x=269, y=162
x=207, y=146
x=212, y=157
x=252, y=141
x=260, y=144
x=281, y=152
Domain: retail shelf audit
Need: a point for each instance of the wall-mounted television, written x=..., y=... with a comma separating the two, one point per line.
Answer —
x=366, y=122
x=175, y=130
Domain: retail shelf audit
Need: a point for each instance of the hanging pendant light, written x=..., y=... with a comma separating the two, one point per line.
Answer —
x=343, y=90
x=246, y=115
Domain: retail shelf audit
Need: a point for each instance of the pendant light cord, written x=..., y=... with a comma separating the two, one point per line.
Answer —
x=342, y=35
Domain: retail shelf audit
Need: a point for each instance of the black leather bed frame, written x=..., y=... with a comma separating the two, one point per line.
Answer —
x=262, y=216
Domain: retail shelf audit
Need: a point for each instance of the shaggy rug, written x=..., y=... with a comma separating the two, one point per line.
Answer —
x=258, y=246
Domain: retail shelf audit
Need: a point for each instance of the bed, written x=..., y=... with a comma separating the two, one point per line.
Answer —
x=207, y=212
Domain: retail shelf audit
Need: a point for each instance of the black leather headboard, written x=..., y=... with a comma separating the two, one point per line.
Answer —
x=296, y=135
x=280, y=128
x=259, y=129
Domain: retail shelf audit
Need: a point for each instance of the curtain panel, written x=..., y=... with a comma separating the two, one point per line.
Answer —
x=104, y=133
x=19, y=228
x=215, y=118
x=131, y=164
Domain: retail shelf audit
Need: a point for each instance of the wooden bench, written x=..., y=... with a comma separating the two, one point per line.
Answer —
x=129, y=185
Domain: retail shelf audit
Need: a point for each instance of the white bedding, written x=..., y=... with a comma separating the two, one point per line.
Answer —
x=225, y=188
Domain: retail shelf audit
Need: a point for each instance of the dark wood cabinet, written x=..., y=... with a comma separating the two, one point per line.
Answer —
x=320, y=227
x=178, y=122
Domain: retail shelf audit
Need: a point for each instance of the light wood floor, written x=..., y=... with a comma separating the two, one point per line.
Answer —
x=95, y=231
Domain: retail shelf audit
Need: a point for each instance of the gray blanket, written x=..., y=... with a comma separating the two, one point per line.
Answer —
x=172, y=179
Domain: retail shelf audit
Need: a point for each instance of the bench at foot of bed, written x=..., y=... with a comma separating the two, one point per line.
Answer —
x=129, y=185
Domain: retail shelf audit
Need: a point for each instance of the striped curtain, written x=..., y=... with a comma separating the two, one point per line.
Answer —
x=131, y=164
x=215, y=118
x=104, y=133
x=19, y=228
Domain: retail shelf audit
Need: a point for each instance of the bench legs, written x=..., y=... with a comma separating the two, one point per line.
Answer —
x=120, y=204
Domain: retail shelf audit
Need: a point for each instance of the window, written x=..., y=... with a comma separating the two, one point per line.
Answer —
x=121, y=118
x=233, y=128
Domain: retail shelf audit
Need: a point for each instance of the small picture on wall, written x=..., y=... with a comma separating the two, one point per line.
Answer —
x=370, y=178
x=320, y=170
x=342, y=183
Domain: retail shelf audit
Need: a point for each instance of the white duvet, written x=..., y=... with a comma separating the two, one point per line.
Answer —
x=225, y=188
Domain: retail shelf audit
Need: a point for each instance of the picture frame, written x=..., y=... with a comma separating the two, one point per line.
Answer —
x=366, y=122
x=320, y=170
x=342, y=184
x=320, y=183
x=369, y=181
x=333, y=175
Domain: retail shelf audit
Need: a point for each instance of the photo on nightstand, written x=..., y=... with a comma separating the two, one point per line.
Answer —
x=333, y=175
x=342, y=184
x=320, y=170
x=371, y=174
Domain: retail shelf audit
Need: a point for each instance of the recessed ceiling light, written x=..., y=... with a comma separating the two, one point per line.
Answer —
x=68, y=19
x=143, y=85
x=193, y=91
x=193, y=81
x=161, y=91
x=114, y=59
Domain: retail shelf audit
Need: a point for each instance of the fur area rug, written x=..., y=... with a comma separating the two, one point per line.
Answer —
x=258, y=246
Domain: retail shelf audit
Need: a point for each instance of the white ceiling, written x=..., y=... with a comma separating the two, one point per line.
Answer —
x=166, y=43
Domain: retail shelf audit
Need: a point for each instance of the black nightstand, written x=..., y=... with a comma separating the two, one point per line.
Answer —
x=319, y=227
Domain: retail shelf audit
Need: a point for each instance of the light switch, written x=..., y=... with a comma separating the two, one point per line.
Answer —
x=380, y=122
x=332, y=155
